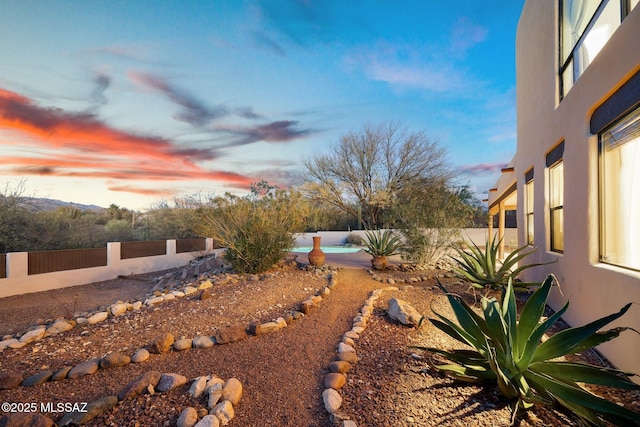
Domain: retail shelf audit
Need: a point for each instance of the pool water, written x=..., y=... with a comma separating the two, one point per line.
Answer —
x=328, y=249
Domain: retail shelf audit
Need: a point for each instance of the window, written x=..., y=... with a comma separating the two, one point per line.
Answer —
x=528, y=206
x=586, y=26
x=620, y=192
x=556, y=197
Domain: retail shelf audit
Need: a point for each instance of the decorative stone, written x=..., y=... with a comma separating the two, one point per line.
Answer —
x=91, y=411
x=20, y=419
x=335, y=380
x=183, y=344
x=61, y=374
x=332, y=400
x=10, y=380
x=114, y=360
x=8, y=342
x=33, y=335
x=402, y=312
x=204, y=285
x=141, y=355
x=118, y=309
x=58, y=327
x=198, y=386
x=162, y=344
x=224, y=412
x=188, y=290
x=188, y=418
x=306, y=306
x=140, y=385
x=208, y=421
x=170, y=381
x=339, y=366
x=230, y=334
x=215, y=394
x=344, y=348
x=97, y=318
x=348, y=356
x=136, y=305
x=36, y=379
x=202, y=341
x=155, y=300
x=85, y=368
x=232, y=391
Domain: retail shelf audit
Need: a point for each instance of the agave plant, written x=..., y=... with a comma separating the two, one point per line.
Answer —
x=510, y=352
x=483, y=269
x=380, y=245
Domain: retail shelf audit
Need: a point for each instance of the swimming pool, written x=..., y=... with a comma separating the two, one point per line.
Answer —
x=328, y=249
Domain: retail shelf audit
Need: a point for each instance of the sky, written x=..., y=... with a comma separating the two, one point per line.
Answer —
x=136, y=102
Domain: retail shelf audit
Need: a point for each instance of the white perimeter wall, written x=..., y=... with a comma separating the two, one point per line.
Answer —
x=19, y=282
x=336, y=238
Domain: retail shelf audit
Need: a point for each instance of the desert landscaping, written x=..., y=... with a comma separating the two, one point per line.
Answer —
x=300, y=345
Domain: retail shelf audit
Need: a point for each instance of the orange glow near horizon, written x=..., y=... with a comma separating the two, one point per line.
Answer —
x=114, y=153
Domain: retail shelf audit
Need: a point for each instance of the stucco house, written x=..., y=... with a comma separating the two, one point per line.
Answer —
x=575, y=178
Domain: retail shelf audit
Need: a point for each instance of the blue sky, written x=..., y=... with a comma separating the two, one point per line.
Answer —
x=133, y=102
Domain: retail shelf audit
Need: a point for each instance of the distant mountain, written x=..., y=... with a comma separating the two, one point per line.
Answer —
x=53, y=204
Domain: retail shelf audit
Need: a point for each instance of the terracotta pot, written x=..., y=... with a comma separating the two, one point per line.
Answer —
x=379, y=262
x=316, y=256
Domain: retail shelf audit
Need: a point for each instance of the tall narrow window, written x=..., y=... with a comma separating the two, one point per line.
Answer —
x=528, y=206
x=586, y=26
x=556, y=198
x=620, y=192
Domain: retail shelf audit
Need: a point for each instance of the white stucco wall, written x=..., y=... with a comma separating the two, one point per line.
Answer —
x=594, y=289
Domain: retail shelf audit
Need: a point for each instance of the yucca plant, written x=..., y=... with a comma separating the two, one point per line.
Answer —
x=485, y=271
x=380, y=245
x=510, y=352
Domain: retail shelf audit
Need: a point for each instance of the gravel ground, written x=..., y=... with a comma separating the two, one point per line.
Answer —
x=282, y=373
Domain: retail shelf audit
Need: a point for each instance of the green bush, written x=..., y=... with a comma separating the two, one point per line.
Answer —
x=256, y=230
x=484, y=270
x=509, y=351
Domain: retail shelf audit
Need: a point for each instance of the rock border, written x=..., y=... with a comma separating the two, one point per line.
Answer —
x=221, y=411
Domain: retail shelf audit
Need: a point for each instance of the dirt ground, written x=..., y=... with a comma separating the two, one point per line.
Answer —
x=282, y=373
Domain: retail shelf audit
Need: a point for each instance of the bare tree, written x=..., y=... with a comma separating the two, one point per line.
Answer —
x=367, y=170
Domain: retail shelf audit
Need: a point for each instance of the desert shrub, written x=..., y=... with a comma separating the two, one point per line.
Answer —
x=509, y=351
x=485, y=271
x=256, y=230
x=353, y=239
x=429, y=219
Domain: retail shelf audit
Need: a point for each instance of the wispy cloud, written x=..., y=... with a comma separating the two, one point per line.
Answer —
x=262, y=40
x=482, y=168
x=278, y=131
x=193, y=111
x=464, y=35
x=87, y=147
x=404, y=66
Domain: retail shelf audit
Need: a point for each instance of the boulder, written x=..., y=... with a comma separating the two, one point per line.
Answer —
x=230, y=334
x=188, y=418
x=22, y=419
x=10, y=380
x=140, y=385
x=170, y=381
x=162, y=344
x=402, y=312
x=114, y=360
x=85, y=368
x=232, y=391
x=91, y=411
